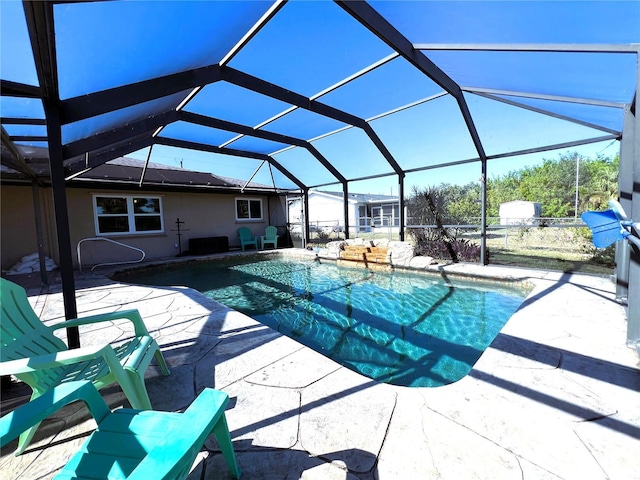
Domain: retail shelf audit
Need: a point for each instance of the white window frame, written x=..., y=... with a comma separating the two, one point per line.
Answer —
x=131, y=215
x=381, y=217
x=249, y=200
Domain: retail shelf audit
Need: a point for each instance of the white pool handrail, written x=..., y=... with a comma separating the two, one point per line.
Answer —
x=108, y=263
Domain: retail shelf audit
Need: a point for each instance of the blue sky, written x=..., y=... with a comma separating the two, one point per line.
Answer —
x=434, y=132
x=309, y=46
x=461, y=174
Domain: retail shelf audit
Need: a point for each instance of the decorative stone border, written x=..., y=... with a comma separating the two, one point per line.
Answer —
x=400, y=254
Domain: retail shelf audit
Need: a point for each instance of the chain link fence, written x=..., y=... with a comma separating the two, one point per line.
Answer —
x=549, y=243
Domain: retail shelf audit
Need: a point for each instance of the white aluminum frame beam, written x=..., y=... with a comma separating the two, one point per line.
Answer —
x=533, y=47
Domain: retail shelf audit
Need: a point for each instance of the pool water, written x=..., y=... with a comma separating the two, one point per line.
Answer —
x=401, y=328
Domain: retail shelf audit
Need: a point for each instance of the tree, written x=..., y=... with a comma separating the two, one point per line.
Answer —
x=553, y=184
x=440, y=206
x=603, y=183
x=455, y=204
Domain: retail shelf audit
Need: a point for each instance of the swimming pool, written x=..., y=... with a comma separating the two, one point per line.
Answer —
x=395, y=327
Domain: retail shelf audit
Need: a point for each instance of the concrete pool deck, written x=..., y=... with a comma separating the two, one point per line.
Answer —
x=555, y=396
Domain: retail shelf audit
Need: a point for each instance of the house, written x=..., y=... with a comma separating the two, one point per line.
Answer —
x=520, y=212
x=365, y=212
x=108, y=202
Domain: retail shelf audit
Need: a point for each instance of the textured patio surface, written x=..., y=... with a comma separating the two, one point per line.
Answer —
x=556, y=396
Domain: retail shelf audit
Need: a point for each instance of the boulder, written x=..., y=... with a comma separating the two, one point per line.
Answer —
x=401, y=253
x=421, y=262
x=381, y=242
x=358, y=241
x=332, y=250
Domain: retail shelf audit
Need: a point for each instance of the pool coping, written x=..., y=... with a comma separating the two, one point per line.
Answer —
x=461, y=269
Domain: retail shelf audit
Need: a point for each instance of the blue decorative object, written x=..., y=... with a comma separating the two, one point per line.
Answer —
x=611, y=225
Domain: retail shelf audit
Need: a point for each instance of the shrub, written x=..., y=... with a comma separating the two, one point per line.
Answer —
x=323, y=237
x=429, y=243
x=605, y=256
x=584, y=233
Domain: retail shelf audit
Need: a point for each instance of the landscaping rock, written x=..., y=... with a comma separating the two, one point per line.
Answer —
x=357, y=241
x=421, y=262
x=401, y=253
x=333, y=250
x=380, y=242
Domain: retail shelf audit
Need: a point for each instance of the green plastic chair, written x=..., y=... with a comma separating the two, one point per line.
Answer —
x=32, y=353
x=131, y=444
x=247, y=238
x=270, y=236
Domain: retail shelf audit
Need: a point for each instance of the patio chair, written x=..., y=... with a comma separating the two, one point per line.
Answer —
x=32, y=353
x=270, y=236
x=247, y=238
x=132, y=444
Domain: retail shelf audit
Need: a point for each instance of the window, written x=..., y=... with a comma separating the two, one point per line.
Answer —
x=248, y=209
x=127, y=214
x=386, y=215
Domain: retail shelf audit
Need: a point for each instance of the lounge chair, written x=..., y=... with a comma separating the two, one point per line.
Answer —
x=32, y=353
x=132, y=444
x=270, y=236
x=247, y=238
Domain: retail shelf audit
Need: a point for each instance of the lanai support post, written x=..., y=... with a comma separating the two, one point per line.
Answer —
x=36, y=203
x=39, y=16
x=39, y=232
x=629, y=184
x=625, y=189
x=484, y=258
x=62, y=220
x=305, y=213
x=345, y=206
x=401, y=206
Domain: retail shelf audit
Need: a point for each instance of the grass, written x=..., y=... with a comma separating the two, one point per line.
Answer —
x=551, y=260
x=562, y=249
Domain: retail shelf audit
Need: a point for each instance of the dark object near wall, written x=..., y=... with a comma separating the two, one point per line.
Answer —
x=203, y=246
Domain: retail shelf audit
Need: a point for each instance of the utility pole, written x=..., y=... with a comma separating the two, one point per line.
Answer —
x=577, y=176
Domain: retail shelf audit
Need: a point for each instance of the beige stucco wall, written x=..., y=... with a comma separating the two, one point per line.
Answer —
x=17, y=224
x=204, y=215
